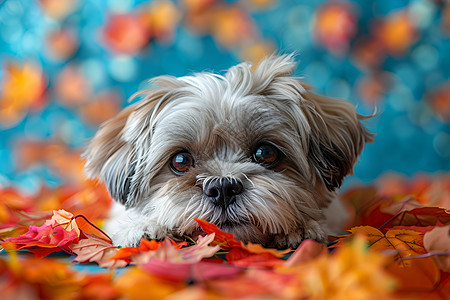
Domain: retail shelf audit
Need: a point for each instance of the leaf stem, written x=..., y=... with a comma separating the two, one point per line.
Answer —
x=92, y=224
x=429, y=254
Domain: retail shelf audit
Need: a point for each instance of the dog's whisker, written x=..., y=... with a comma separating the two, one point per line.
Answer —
x=248, y=179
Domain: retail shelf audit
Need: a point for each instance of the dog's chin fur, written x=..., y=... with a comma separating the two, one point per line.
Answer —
x=220, y=120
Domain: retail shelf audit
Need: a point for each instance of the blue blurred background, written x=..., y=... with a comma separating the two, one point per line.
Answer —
x=66, y=66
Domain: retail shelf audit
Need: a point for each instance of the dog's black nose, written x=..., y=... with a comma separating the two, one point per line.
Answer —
x=222, y=191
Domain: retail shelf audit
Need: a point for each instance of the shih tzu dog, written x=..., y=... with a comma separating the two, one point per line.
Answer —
x=254, y=152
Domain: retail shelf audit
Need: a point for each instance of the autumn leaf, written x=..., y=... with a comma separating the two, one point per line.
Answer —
x=65, y=219
x=363, y=207
x=138, y=284
x=243, y=258
x=428, y=190
x=307, y=251
x=88, y=228
x=97, y=286
x=438, y=240
x=404, y=242
x=170, y=252
x=34, y=278
x=95, y=249
x=241, y=254
x=25, y=277
x=397, y=202
x=200, y=250
x=16, y=213
x=423, y=216
x=227, y=242
x=127, y=253
x=352, y=272
x=45, y=239
x=419, y=276
x=421, y=229
x=198, y=271
x=55, y=235
x=259, y=249
x=10, y=202
x=91, y=200
x=255, y=283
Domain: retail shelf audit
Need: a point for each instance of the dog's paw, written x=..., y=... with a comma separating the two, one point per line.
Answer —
x=126, y=227
x=314, y=231
x=283, y=241
x=128, y=238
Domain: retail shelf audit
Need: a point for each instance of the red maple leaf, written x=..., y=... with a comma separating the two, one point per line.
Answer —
x=44, y=240
x=243, y=254
x=226, y=241
x=423, y=216
x=127, y=253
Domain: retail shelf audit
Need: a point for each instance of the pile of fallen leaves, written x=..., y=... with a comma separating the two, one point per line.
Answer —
x=398, y=246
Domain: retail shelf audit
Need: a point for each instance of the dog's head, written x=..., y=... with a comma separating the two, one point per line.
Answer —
x=254, y=152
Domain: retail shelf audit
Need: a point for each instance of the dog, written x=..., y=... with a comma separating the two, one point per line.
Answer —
x=253, y=151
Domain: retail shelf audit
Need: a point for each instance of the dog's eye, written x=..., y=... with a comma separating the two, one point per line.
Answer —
x=266, y=154
x=181, y=162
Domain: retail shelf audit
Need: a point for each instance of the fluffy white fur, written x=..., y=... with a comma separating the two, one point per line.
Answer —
x=220, y=120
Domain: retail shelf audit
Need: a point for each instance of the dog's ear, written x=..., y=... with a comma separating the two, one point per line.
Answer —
x=330, y=130
x=114, y=154
x=110, y=158
x=337, y=137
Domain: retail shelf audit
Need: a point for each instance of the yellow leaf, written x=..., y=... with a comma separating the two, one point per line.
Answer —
x=404, y=242
x=64, y=218
x=257, y=248
x=352, y=272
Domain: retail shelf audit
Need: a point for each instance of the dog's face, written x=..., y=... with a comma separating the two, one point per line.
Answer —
x=254, y=152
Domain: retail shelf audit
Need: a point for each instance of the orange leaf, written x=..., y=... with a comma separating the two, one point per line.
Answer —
x=139, y=284
x=225, y=240
x=404, y=242
x=421, y=229
x=258, y=249
x=127, y=253
x=420, y=275
x=87, y=228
